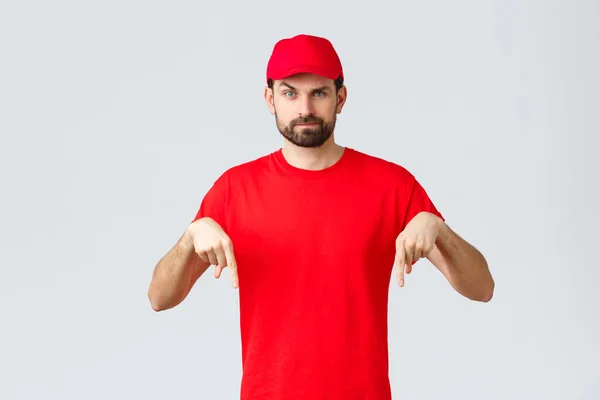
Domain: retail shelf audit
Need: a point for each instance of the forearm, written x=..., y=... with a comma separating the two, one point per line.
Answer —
x=466, y=268
x=172, y=274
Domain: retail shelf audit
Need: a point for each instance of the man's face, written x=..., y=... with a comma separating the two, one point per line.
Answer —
x=305, y=108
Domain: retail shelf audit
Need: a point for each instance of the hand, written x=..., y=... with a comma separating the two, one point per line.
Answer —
x=415, y=242
x=213, y=245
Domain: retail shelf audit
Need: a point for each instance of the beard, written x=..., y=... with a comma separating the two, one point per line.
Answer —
x=314, y=136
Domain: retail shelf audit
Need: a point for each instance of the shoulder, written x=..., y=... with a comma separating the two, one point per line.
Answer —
x=386, y=169
x=245, y=169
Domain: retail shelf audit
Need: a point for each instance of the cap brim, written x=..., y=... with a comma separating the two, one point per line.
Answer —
x=311, y=69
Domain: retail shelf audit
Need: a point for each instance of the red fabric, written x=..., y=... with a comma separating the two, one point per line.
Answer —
x=304, y=53
x=315, y=253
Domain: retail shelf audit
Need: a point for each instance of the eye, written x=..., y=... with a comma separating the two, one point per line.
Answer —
x=288, y=93
x=319, y=93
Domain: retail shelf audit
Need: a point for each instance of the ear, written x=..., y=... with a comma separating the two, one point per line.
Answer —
x=342, y=95
x=269, y=99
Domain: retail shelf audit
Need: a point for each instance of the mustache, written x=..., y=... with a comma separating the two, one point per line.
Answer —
x=306, y=120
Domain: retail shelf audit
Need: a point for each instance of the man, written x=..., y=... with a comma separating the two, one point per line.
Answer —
x=311, y=234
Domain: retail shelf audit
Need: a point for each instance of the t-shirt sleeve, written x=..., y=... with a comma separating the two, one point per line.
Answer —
x=419, y=201
x=214, y=203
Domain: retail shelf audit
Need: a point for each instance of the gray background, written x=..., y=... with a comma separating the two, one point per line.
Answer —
x=116, y=117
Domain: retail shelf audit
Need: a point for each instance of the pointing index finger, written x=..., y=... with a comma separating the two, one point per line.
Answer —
x=400, y=260
x=232, y=264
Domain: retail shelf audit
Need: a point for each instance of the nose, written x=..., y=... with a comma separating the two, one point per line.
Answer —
x=305, y=106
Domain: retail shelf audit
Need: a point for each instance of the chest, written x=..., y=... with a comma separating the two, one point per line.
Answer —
x=336, y=227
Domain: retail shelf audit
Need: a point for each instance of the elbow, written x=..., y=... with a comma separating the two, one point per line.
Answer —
x=157, y=307
x=488, y=294
x=156, y=302
x=487, y=285
x=487, y=298
x=162, y=299
x=482, y=292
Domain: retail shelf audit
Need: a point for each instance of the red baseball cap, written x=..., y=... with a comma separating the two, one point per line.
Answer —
x=304, y=53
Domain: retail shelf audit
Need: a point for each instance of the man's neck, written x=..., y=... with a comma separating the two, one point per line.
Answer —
x=313, y=158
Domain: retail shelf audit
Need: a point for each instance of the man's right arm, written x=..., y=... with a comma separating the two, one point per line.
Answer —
x=175, y=274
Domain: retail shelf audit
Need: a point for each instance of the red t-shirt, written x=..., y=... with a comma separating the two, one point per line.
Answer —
x=315, y=253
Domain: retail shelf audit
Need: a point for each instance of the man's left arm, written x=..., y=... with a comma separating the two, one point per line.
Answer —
x=464, y=267
x=425, y=235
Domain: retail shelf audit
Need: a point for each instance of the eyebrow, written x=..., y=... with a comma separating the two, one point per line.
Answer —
x=322, y=88
x=286, y=84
